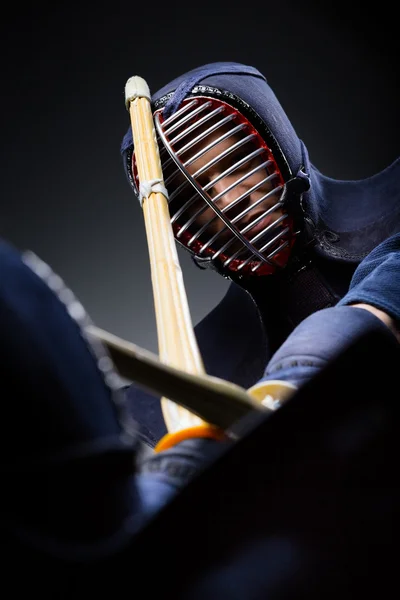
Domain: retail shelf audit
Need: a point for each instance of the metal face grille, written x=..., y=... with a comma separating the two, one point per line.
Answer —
x=224, y=188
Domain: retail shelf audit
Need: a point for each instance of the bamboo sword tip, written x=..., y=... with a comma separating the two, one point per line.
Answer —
x=136, y=87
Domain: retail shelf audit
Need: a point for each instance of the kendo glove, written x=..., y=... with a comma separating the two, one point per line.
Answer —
x=324, y=334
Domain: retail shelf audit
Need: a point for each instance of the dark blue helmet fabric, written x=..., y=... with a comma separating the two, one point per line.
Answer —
x=364, y=212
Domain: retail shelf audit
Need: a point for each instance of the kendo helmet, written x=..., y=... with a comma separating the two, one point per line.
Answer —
x=234, y=188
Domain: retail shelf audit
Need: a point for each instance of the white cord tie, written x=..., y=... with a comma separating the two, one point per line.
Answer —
x=148, y=187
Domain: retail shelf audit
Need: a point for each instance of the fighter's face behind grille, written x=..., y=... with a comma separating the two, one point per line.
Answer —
x=224, y=188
